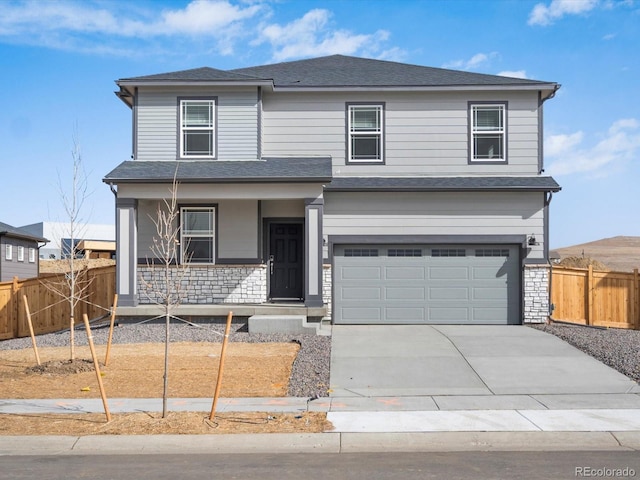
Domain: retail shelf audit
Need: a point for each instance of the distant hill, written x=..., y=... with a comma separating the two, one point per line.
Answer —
x=617, y=253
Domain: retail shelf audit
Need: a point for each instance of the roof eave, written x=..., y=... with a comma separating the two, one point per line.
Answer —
x=441, y=189
x=550, y=87
x=116, y=181
x=6, y=233
x=191, y=83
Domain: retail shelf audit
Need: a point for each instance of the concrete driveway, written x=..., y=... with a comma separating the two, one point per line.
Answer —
x=455, y=360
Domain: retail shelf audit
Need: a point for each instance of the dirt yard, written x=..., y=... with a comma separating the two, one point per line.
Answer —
x=136, y=371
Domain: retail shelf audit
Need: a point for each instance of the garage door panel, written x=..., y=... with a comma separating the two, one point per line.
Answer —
x=489, y=314
x=361, y=293
x=448, y=314
x=489, y=293
x=405, y=314
x=405, y=293
x=407, y=284
x=448, y=273
x=361, y=315
x=489, y=273
x=404, y=273
x=448, y=293
x=357, y=272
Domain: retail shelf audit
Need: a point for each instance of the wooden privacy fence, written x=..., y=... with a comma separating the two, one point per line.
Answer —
x=598, y=298
x=49, y=311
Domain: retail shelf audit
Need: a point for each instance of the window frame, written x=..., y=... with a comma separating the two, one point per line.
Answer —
x=213, y=127
x=8, y=252
x=379, y=131
x=32, y=255
x=474, y=132
x=213, y=234
x=20, y=253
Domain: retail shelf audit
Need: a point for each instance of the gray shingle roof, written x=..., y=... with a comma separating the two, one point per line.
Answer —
x=341, y=70
x=10, y=231
x=336, y=71
x=205, y=74
x=443, y=184
x=313, y=169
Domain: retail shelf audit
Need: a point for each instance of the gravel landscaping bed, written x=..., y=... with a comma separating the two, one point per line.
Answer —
x=309, y=376
x=617, y=348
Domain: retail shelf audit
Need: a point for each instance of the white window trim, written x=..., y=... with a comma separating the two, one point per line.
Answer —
x=211, y=128
x=212, y=235
x=502, y=106
x=379, y=131
x=20, y=253
x=8, y=252
x=32, y=255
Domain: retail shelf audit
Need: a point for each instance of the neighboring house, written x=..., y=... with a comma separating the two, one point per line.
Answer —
x=19, y=253
x=381, y=191
x=60, y=235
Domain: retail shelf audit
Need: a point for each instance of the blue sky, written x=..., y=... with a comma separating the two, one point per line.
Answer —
x=59, y=61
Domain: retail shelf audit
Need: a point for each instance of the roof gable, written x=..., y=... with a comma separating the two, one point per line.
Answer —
x=10, y=231
x=202, y=74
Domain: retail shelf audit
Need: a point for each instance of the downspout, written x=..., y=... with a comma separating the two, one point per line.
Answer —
x=547, y=200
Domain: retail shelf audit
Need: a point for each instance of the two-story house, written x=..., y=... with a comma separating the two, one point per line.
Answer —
x=378, y=191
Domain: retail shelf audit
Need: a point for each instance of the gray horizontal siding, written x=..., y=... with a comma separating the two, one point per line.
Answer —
x=431, y=213
x=237, y=228
x=237, y=122
x=13, y=268
x=426, y=133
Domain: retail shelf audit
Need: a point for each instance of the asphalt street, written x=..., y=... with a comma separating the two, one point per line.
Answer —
x=451, y=466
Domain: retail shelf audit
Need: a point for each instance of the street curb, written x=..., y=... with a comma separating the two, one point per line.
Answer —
x=329, y=442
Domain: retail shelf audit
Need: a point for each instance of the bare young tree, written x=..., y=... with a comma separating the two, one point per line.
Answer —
x=74, y=285
x=167, y=269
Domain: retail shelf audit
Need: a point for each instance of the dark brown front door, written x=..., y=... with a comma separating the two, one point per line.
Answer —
x=286, y=254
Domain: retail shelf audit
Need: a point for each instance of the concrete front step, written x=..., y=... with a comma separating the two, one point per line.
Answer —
x=289, y=324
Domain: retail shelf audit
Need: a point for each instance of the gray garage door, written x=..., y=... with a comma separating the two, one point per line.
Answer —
x=438, y=284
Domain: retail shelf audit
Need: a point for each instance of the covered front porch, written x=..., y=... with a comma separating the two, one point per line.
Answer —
x=256, y=246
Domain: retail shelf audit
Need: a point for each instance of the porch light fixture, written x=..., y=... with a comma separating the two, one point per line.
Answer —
x=532, y=240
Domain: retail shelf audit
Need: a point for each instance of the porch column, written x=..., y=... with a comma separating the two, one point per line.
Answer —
x=126, y=251
x=313, y=251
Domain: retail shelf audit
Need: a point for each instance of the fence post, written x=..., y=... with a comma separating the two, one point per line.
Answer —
x=636, y=299
x=15, y=307
x=590, y=294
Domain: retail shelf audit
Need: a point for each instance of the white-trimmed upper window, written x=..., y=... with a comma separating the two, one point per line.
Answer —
x=365, y=132
x=197, y=122
x=20, y=253
x=8, y=252
x=488, y=133
x=32, y=255
x=197, y=234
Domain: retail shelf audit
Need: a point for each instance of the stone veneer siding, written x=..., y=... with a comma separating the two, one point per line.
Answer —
x=326, y=288
x=211, y=284
x=536, y=293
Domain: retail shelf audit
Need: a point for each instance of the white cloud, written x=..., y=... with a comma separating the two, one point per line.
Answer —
x=205, y=26
x=514, y=74
x=105, y=27
x=546, y=15
x=618, y=145
x=474, y=62
x=311, y=35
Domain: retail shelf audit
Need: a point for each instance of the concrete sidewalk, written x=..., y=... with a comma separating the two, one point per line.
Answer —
x=516, y=422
